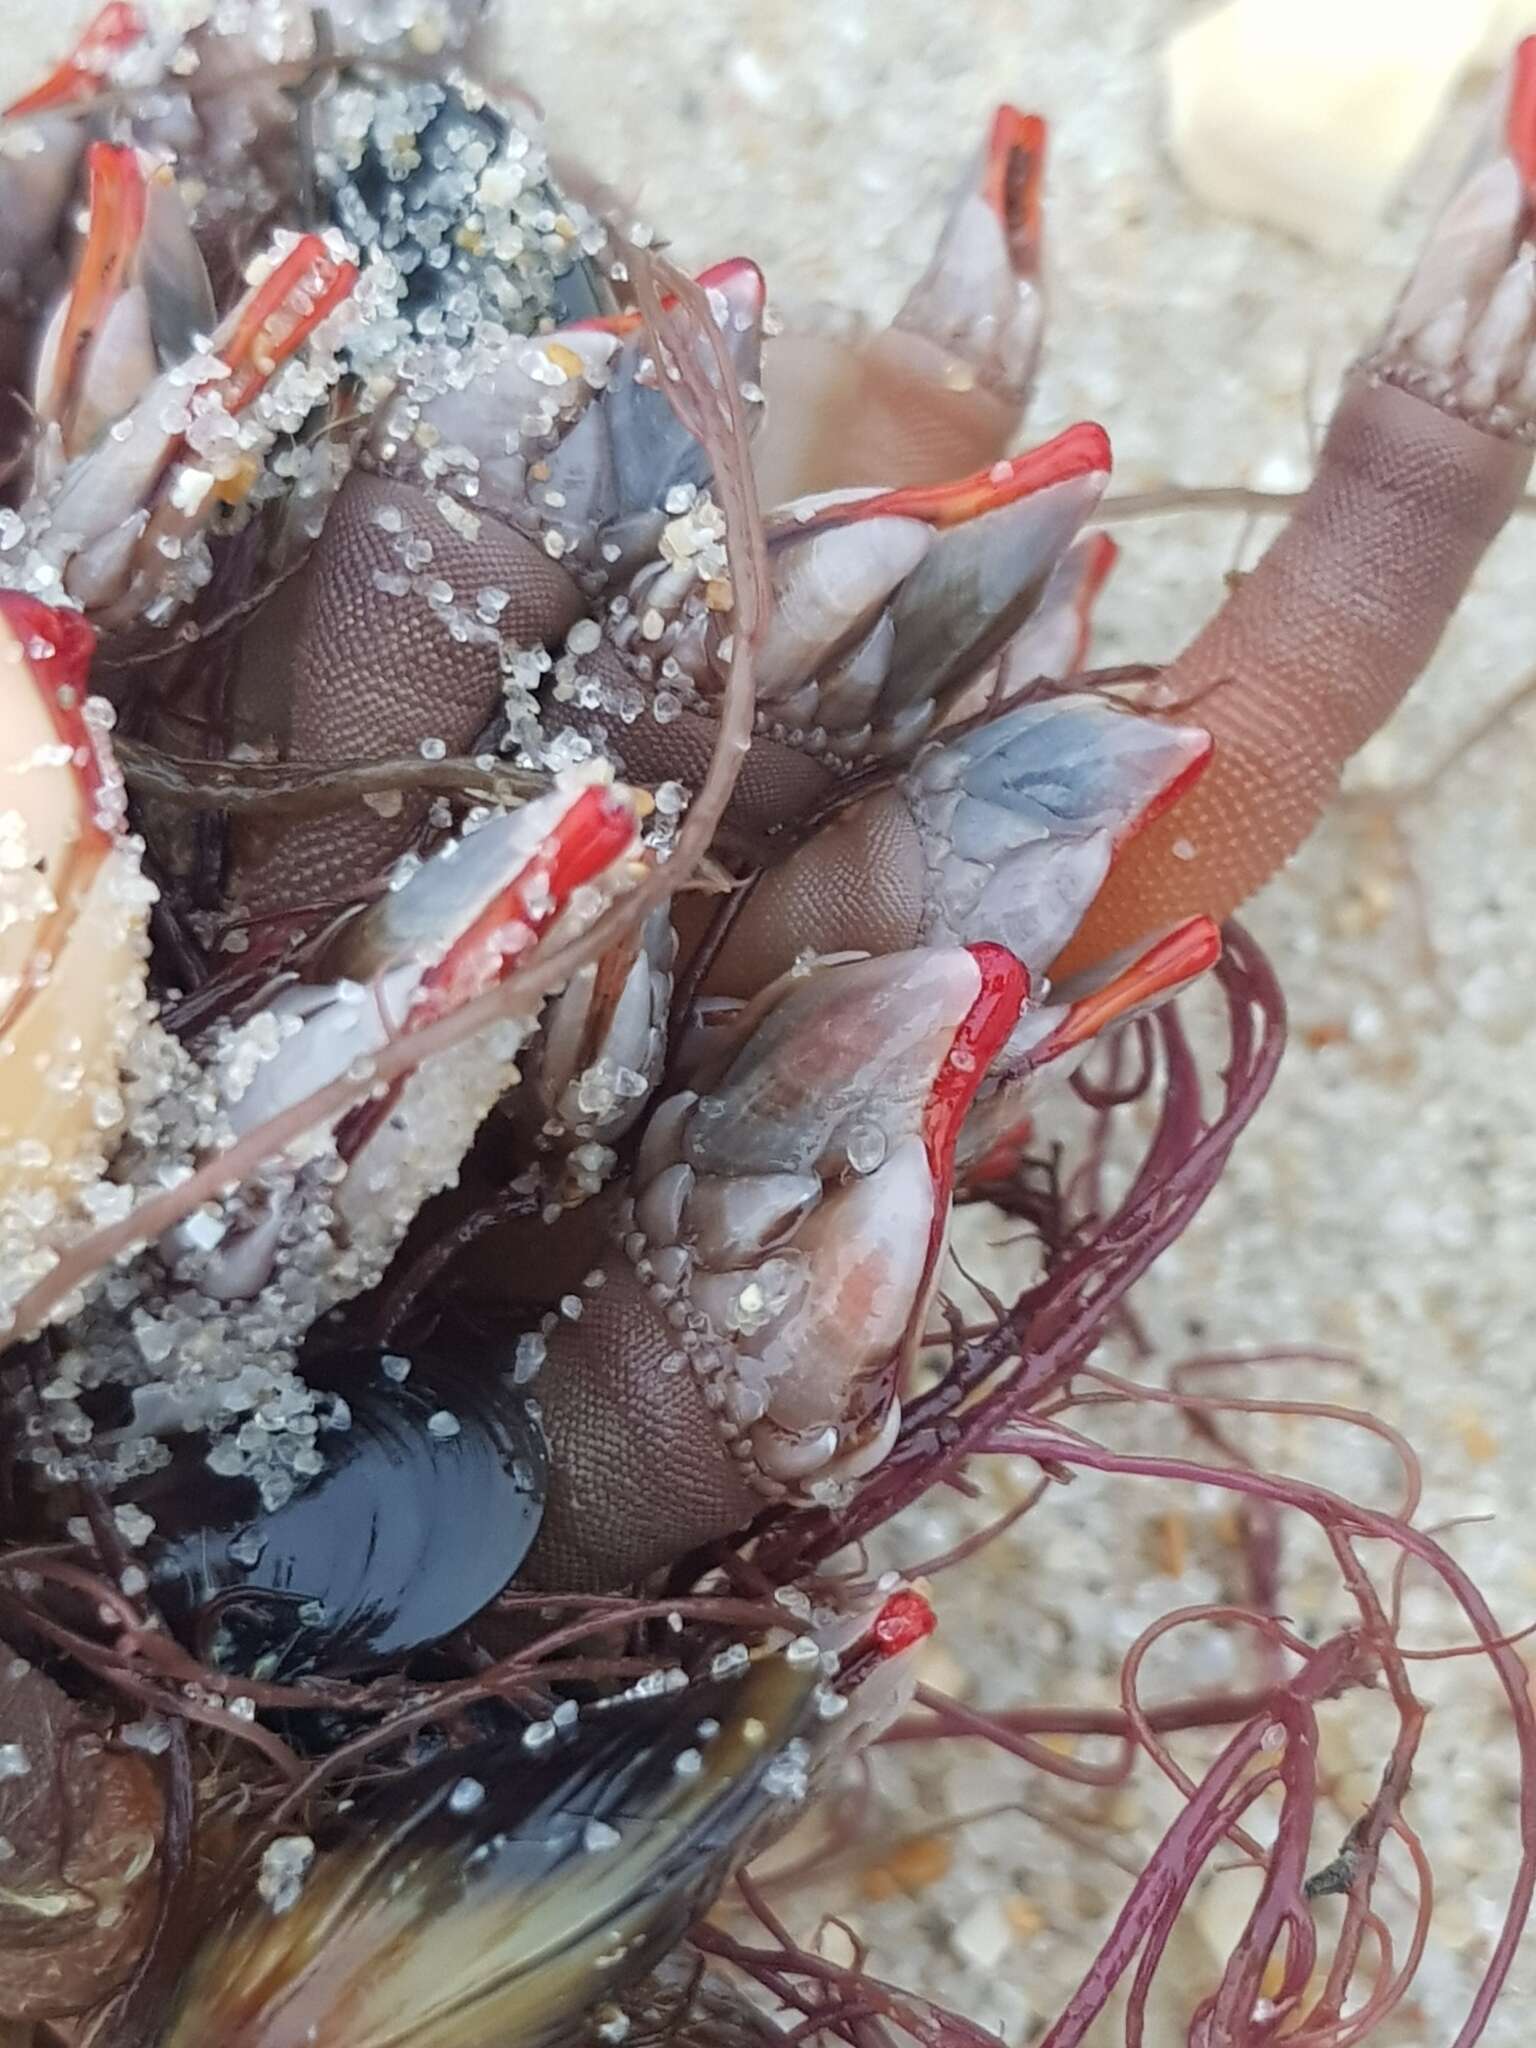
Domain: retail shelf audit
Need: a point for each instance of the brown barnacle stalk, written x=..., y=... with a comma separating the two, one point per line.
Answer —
x=1426, y=456
x=73, y=908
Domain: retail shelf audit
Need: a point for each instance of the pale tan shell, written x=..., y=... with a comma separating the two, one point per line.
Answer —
x=73, y=917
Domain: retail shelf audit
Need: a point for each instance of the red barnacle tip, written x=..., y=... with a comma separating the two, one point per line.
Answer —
x=595, y=832
x=57, y=647
x=903, y=1622
x=83, y=72
x=58, y=644
x=1078, y=451
x=1197, y=750
x=740, y=281
x=281, y=313
x=1103, y=552
x=982, y=1034
x=1013, y=182
x=119, y=198
x=117, y=207
x=1004, y=991
x=1520, y=121
x=113, y=167
x=1168, y=963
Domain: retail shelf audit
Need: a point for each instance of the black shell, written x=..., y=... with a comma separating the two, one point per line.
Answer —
x=499, y=1892
x=427, y=1504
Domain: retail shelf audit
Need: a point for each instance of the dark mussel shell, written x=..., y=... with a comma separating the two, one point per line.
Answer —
x=419, y=205
x=426, y=1504
x=500, y=1892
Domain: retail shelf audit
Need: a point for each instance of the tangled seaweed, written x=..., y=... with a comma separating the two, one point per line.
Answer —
x=1005, y=1393
x=1006, y=1390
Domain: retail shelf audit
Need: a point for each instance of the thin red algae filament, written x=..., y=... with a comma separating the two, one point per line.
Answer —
x=1217, y=1803
x=1003, y=1392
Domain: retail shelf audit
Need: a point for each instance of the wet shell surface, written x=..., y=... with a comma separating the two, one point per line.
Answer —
x=552, y=1872
x=428, y=1492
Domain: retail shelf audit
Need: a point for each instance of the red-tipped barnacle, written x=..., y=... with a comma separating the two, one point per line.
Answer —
x=1004, y=832
x=137, y=303
x=441, y=935
x=1426, y=455
x=73, y=911
x=503, y=1891
x=41, y=143
x=1053, y=1036
x=454, y=543
x=1463, y=332
x=885, y=606
x=629, y=453
x=440, y=556
x=571, y=437
x=942, y=389
x=998, y=538
x=770, y=1261
x=978, y=303
x=153, y=415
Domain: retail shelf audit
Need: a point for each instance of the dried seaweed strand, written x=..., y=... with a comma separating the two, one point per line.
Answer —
x=299, y=789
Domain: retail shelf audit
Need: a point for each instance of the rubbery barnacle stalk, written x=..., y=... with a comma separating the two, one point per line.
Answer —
x=479, y=1249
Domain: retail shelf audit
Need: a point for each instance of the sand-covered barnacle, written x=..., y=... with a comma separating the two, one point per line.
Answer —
x=771, y=1258
x=153, y=416
x=456, y=192
x=73, y=912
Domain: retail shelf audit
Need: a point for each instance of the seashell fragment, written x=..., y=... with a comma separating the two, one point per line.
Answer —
x=1303, y=115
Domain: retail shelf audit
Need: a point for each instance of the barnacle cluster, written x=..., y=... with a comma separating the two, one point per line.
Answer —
x=516, y=938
